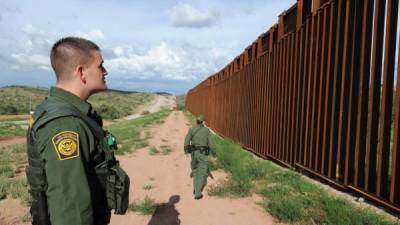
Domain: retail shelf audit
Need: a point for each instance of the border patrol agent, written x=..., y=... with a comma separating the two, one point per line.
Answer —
x=73, y=175
x=199, y=144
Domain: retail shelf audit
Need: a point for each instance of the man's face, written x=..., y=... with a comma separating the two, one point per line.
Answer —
x=95, y=74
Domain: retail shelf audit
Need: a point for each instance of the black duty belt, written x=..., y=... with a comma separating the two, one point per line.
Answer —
x=203, y=149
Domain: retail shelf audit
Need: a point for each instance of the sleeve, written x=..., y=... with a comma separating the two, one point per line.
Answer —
x=188, y=137
x=66, y=154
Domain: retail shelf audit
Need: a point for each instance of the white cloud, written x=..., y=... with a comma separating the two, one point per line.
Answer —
x=36, y=40
x=31, y=60
x=14, y=67
x=118, y=51
x=47, y=68
x=180, y=63
x=34, y=48
x=94, y=34
x=185, y=15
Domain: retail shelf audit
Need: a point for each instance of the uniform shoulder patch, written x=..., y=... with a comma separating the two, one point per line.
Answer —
x=66, y=144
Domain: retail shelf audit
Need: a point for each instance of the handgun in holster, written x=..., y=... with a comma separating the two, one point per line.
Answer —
x=39, y=211
x=204, y=150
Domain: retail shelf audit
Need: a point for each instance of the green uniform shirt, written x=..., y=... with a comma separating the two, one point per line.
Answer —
x=67, y=145
x=199, y=135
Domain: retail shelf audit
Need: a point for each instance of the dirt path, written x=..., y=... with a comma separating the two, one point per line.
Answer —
x=12, y=140
x=169, y=177
x=159, y=102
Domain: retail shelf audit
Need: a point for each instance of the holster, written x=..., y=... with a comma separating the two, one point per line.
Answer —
x=204, y=150
x=37, y=180
x=38, y=209
x=115, y=182
x=191, y=148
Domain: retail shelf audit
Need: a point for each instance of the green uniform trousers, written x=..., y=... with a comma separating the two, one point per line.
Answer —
x=199, y=166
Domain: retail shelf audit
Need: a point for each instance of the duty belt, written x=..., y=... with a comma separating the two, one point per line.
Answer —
x=203, y=149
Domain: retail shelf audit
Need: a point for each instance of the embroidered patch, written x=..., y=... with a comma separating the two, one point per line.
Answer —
x=66, y=144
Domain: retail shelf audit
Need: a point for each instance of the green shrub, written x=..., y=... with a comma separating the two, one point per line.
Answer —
x=153, y=150
x=6, y=171
x=166, y=150
x=109, y=112
x=287, y=209
x=180, y=102
x=146, y=112
x=148, y=187
x=231, y=188
x=141, y=144
x=8, y=129
x=8, y=109
x=146, y=207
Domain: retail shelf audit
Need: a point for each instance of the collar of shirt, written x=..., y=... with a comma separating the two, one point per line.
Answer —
x=83, y=106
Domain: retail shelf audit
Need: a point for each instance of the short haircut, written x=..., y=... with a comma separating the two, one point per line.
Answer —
x=69, y=52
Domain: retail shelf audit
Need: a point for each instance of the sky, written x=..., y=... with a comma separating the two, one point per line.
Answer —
x=150, y=45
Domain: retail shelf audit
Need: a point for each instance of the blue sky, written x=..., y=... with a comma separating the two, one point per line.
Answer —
x=147, y=45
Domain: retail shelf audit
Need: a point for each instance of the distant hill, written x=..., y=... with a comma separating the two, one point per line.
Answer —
x=163, y=93
x=112, y=104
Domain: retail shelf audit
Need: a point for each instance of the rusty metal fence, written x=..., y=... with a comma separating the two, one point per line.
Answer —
x=317, y=91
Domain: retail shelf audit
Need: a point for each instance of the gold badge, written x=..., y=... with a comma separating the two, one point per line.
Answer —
x=66, y=144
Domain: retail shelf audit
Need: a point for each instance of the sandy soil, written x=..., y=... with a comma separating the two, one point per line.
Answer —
x=13, y=140
x=13, y=212
x=13, y=117
x=172, y=186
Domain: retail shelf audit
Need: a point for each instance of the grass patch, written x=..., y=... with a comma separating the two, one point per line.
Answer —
x=12, y=157
x=142, y=144
x=147, y=187
x=190, y=117
x=113, y=104
x=166, y=150
x=153, y=150
x=128, y=132
x=180, y=102
x=20, y=99
x=147, y=206
x=9, y=129
x=214, y=164
x=147, y=134
x=146, y=112
x=287, y=195
x=231, y=188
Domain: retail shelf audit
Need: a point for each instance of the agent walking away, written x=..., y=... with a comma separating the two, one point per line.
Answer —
x=198, y=143
x=73, y=175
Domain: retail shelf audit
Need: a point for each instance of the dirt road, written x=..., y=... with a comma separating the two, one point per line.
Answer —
x=159, y=102
x=12, y=140
x=165, y=178
x=169, y=177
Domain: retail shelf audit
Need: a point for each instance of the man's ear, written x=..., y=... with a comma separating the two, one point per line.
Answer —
x=79, y=73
